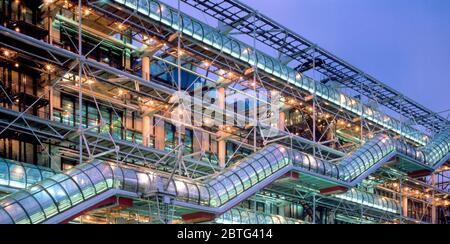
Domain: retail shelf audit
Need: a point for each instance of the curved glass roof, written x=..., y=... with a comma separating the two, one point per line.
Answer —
x=239, y=50
x=371, y=200
x=61, y=192
x=21, y=175
x=240, y=216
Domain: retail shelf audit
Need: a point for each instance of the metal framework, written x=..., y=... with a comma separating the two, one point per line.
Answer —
x=299, y=51
x=338, y=169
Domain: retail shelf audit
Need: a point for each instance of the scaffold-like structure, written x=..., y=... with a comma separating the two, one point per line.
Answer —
x=134, y=111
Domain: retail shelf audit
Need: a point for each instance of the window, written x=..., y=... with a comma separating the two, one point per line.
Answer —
x=170, y=131
x=188, y=142
x=113, y=118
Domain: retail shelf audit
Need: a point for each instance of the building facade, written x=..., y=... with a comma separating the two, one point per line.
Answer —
x=132, y=111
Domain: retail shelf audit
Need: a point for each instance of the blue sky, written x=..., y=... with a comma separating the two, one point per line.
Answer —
x=404, y=43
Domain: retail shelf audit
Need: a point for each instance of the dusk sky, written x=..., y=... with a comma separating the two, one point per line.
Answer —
x=404, y=43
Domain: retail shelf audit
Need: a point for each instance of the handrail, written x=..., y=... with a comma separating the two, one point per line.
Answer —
x=63, y=192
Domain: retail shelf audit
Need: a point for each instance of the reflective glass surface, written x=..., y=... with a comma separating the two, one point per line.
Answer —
x=230, y=46
x=63, y=191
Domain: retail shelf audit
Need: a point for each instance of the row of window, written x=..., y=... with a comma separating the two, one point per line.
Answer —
x=237, y=49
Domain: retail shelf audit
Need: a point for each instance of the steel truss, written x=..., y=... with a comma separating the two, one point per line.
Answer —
x=239, y=18
x=73, y=73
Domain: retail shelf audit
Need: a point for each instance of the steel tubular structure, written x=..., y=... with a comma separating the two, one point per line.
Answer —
x=133, y=111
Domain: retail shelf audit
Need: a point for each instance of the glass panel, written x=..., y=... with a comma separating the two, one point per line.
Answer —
x=62, y=201
x=4, y=217
x=273, y=165
x=258, y=166
x=85, y=184
x=17, y=176
x=166, y=15
x=188, y=27
x=214, y=200
x=253, y=176
x=182, y=190
x=222, y=192
x=226, y=45
x=237, y=183
x=198, y=31
x=118, y=176
x=107, y=173
x=32, y=207
x=194, y=195
x=229, y=186
x=245, y=178
x=4, y=173
x=17, y=213
x=143, y=6
x=236, y=49
x=130, y=179
x=144, y=182
x=97, y=179
x=33, y=175
x=204, y=195
x=45, y=200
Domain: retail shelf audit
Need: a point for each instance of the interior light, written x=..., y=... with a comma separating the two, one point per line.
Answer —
x=18, y=171
x=206, y=63
x=162, y=8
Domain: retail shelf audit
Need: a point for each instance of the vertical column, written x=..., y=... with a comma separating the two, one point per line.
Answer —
x=146, y=120
x=206, y=142
x=146, y=67
x=146, y=130
x=222, y=143
x=50, y=26
x=197, y=143
x=50, y=99
x=281, y=210
x=277, y=117
x=50, y=41
x=126, y=38
x=405, y=206
x=160, y=135
x=282, y=121
x=222, y=153
x=433, y=206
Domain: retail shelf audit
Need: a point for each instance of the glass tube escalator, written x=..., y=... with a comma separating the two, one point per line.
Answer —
x=63, y=192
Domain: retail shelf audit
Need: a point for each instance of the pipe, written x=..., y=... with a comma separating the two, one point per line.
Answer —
x=63, y=192
x=236, y=49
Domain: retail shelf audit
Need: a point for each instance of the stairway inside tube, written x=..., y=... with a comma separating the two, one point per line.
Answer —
x=62, y=196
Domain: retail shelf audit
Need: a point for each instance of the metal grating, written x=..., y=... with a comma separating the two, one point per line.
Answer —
x=298, y=50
